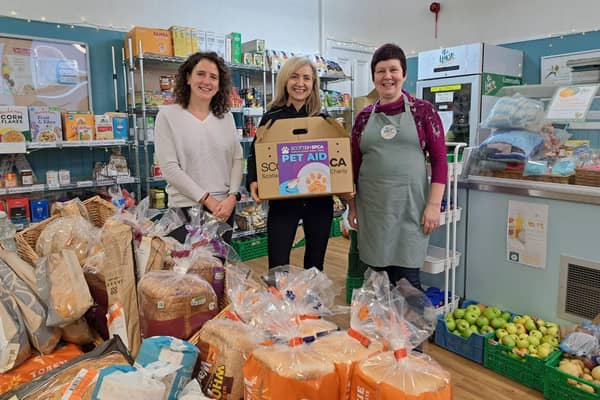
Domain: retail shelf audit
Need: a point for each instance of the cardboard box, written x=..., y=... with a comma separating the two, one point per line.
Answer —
x=104, y=127
x=303, y=157
x=14, y=124
x=364, y=101
x=78, y=126
x=154, y=41
x=254, y=46
x=236, y=47
x=45, y=123
x=198, y=40
x=182, y=41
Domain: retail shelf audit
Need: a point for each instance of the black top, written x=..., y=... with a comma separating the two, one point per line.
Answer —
x=271, y=115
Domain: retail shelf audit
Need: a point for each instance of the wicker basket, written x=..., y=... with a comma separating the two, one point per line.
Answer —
x=98, y=209
x=537, y=178
x=587, y=177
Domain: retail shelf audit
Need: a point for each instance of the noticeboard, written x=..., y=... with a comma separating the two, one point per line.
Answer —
x=44, y=72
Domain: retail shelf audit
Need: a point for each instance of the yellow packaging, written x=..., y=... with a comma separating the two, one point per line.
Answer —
x=198, y=39
x=182, y=41
x=154, y=41
x=78, y=126
x=303, y=157
x=14, y=124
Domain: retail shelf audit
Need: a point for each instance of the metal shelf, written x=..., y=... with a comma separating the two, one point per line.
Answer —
x=334, y=77
x=155, y=179
x=81, y=143
x=249, y=111
x=158, y=59
x=337, y=109
x=37, y=188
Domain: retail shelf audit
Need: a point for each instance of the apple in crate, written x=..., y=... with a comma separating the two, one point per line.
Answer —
x=459, y=313
x=497, y=323
x=474, y=309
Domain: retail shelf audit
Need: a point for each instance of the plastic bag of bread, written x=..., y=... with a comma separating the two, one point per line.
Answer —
x=78, y=332
x=77, y=376
x=224, y=345
x=63, y=288
x=14, y=343
x=71, y=208
x=21, y=268
x=174, y=304
x=93, y=271
x=42, y=337
x=404, y=318
x=199, y=261
x=37, y=366
x=74, y=233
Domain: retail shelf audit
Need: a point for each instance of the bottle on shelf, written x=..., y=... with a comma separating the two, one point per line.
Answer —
x=7, y=233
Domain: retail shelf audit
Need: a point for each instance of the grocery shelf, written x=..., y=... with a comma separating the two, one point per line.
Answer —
x=241, y=234
x=80, y=143
x=249, y=111
x=435, y=260
x=337, y=109
x=41, y=187
x=334, y=77
x=155, y=179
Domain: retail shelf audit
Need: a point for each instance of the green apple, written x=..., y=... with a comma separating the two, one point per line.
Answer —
x=474, y=308
x=505, y=316
x=451, y=325
x=459, y=313
x=520, y=328
x=489, y=313
x=543, y=352
x=532, y=348
x=534, y=340
x=457, y=333
x=517, y=319
x=466, y=333
x=522, y=343
x=507, y=340
x=543, y=330
x=530, y=325
x=501, y=333
x=540, y=322
x=462, y=325
x=486, y=329
x=552, y=331
x=471, y=316
x=449, y=316
x=511, y=328
x=482, y=321
x=551, y=324
x=536, y=333
x=523, y=336
x=474, y=329
x=548, y=339
x=497, y=323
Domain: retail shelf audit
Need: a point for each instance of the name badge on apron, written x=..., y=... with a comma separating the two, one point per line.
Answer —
x=388, y=132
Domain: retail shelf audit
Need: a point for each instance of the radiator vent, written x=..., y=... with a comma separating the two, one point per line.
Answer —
x=579, y=295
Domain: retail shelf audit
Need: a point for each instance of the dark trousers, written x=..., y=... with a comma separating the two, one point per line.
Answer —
x=284, y=215
x=180, y=233
x=412, y=275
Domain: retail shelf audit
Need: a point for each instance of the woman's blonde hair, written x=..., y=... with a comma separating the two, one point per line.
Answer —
x=313, y=102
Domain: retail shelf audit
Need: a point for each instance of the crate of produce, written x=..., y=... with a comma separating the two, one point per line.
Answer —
x=98, y=209
x=251, y=247
x=525, y=369
x=470, y=344
x=560, y=385
x=352, y=282
x=336, y=227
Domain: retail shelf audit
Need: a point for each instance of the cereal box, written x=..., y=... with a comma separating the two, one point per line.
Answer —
x=154, y=41
x=104, y=127
x=120, y=125
x=14, y=124
x=45, y=123
x=78, y=126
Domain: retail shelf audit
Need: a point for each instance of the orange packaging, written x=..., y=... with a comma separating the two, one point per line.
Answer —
x=78, y=126
x=154, y=41
x=37, y=366
x=365, y=387
x=261, y=383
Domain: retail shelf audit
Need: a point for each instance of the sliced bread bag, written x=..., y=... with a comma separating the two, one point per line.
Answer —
x=14, y=343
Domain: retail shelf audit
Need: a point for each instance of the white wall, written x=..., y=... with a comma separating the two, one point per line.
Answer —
x=292, y=25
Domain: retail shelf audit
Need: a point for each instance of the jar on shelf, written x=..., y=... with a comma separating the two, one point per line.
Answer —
x=10, y=180
x=26, y=177
x=7, y=233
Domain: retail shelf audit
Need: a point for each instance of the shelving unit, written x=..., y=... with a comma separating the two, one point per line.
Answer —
x=447, y=259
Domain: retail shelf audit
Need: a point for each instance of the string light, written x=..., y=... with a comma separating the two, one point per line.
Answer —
x=43, y=19
x=13, y=13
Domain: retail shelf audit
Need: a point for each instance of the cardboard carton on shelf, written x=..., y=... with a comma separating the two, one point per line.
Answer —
x=154, y=41
x=303, y=157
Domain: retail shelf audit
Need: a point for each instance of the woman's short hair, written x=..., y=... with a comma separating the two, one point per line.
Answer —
x=388, y=51
x=313, y=102
x=219, y=104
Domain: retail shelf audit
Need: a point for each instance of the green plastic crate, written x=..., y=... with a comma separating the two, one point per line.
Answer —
x=526, y=370
x=252, y=247
x=557, y=388
x=351, y=284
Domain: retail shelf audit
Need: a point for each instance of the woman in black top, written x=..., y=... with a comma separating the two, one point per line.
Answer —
x=297, y=96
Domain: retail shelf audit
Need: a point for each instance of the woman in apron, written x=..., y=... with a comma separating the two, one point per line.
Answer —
x=396, y=208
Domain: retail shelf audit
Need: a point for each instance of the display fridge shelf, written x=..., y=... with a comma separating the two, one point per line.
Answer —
x=435, y=260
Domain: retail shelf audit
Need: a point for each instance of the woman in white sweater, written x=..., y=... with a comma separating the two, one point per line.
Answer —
x=196, y=140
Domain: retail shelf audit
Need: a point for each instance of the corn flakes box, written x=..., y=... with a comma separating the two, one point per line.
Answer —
x=14, y=124
x=78, y=126
x=45, y=124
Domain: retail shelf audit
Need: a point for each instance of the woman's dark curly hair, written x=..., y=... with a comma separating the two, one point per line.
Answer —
x=219, y=104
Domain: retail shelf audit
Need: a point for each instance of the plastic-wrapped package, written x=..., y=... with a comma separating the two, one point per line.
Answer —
x=192, y=391
x=43, y=338
x=564, y=166
x=580, y=344
x=14, y=343
x=180, y=354
x=535, y=168
x=63, y=288
x=77, y=332
x=71, y=208
x=174, y=304
x=403, y=317
x=199, y=261
x=512, y=145
x=516, y=112
x=74, y=233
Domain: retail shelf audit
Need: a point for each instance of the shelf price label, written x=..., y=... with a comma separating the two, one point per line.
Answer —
x=124, y=179
x=42, y=145
x=81, y=184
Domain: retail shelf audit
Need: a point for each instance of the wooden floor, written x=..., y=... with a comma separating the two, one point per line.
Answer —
x=470, y=381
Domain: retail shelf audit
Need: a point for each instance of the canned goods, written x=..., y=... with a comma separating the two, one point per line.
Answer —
x=26, y=177
x=156, y=170
x=157, y=198
x=10, y=180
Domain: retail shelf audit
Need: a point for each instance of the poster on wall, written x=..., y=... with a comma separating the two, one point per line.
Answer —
x=554, y=69
x=527, y=233
x=44, y=72
x=571, y=103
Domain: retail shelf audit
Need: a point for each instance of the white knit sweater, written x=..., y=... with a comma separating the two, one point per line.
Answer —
x=197, y=157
